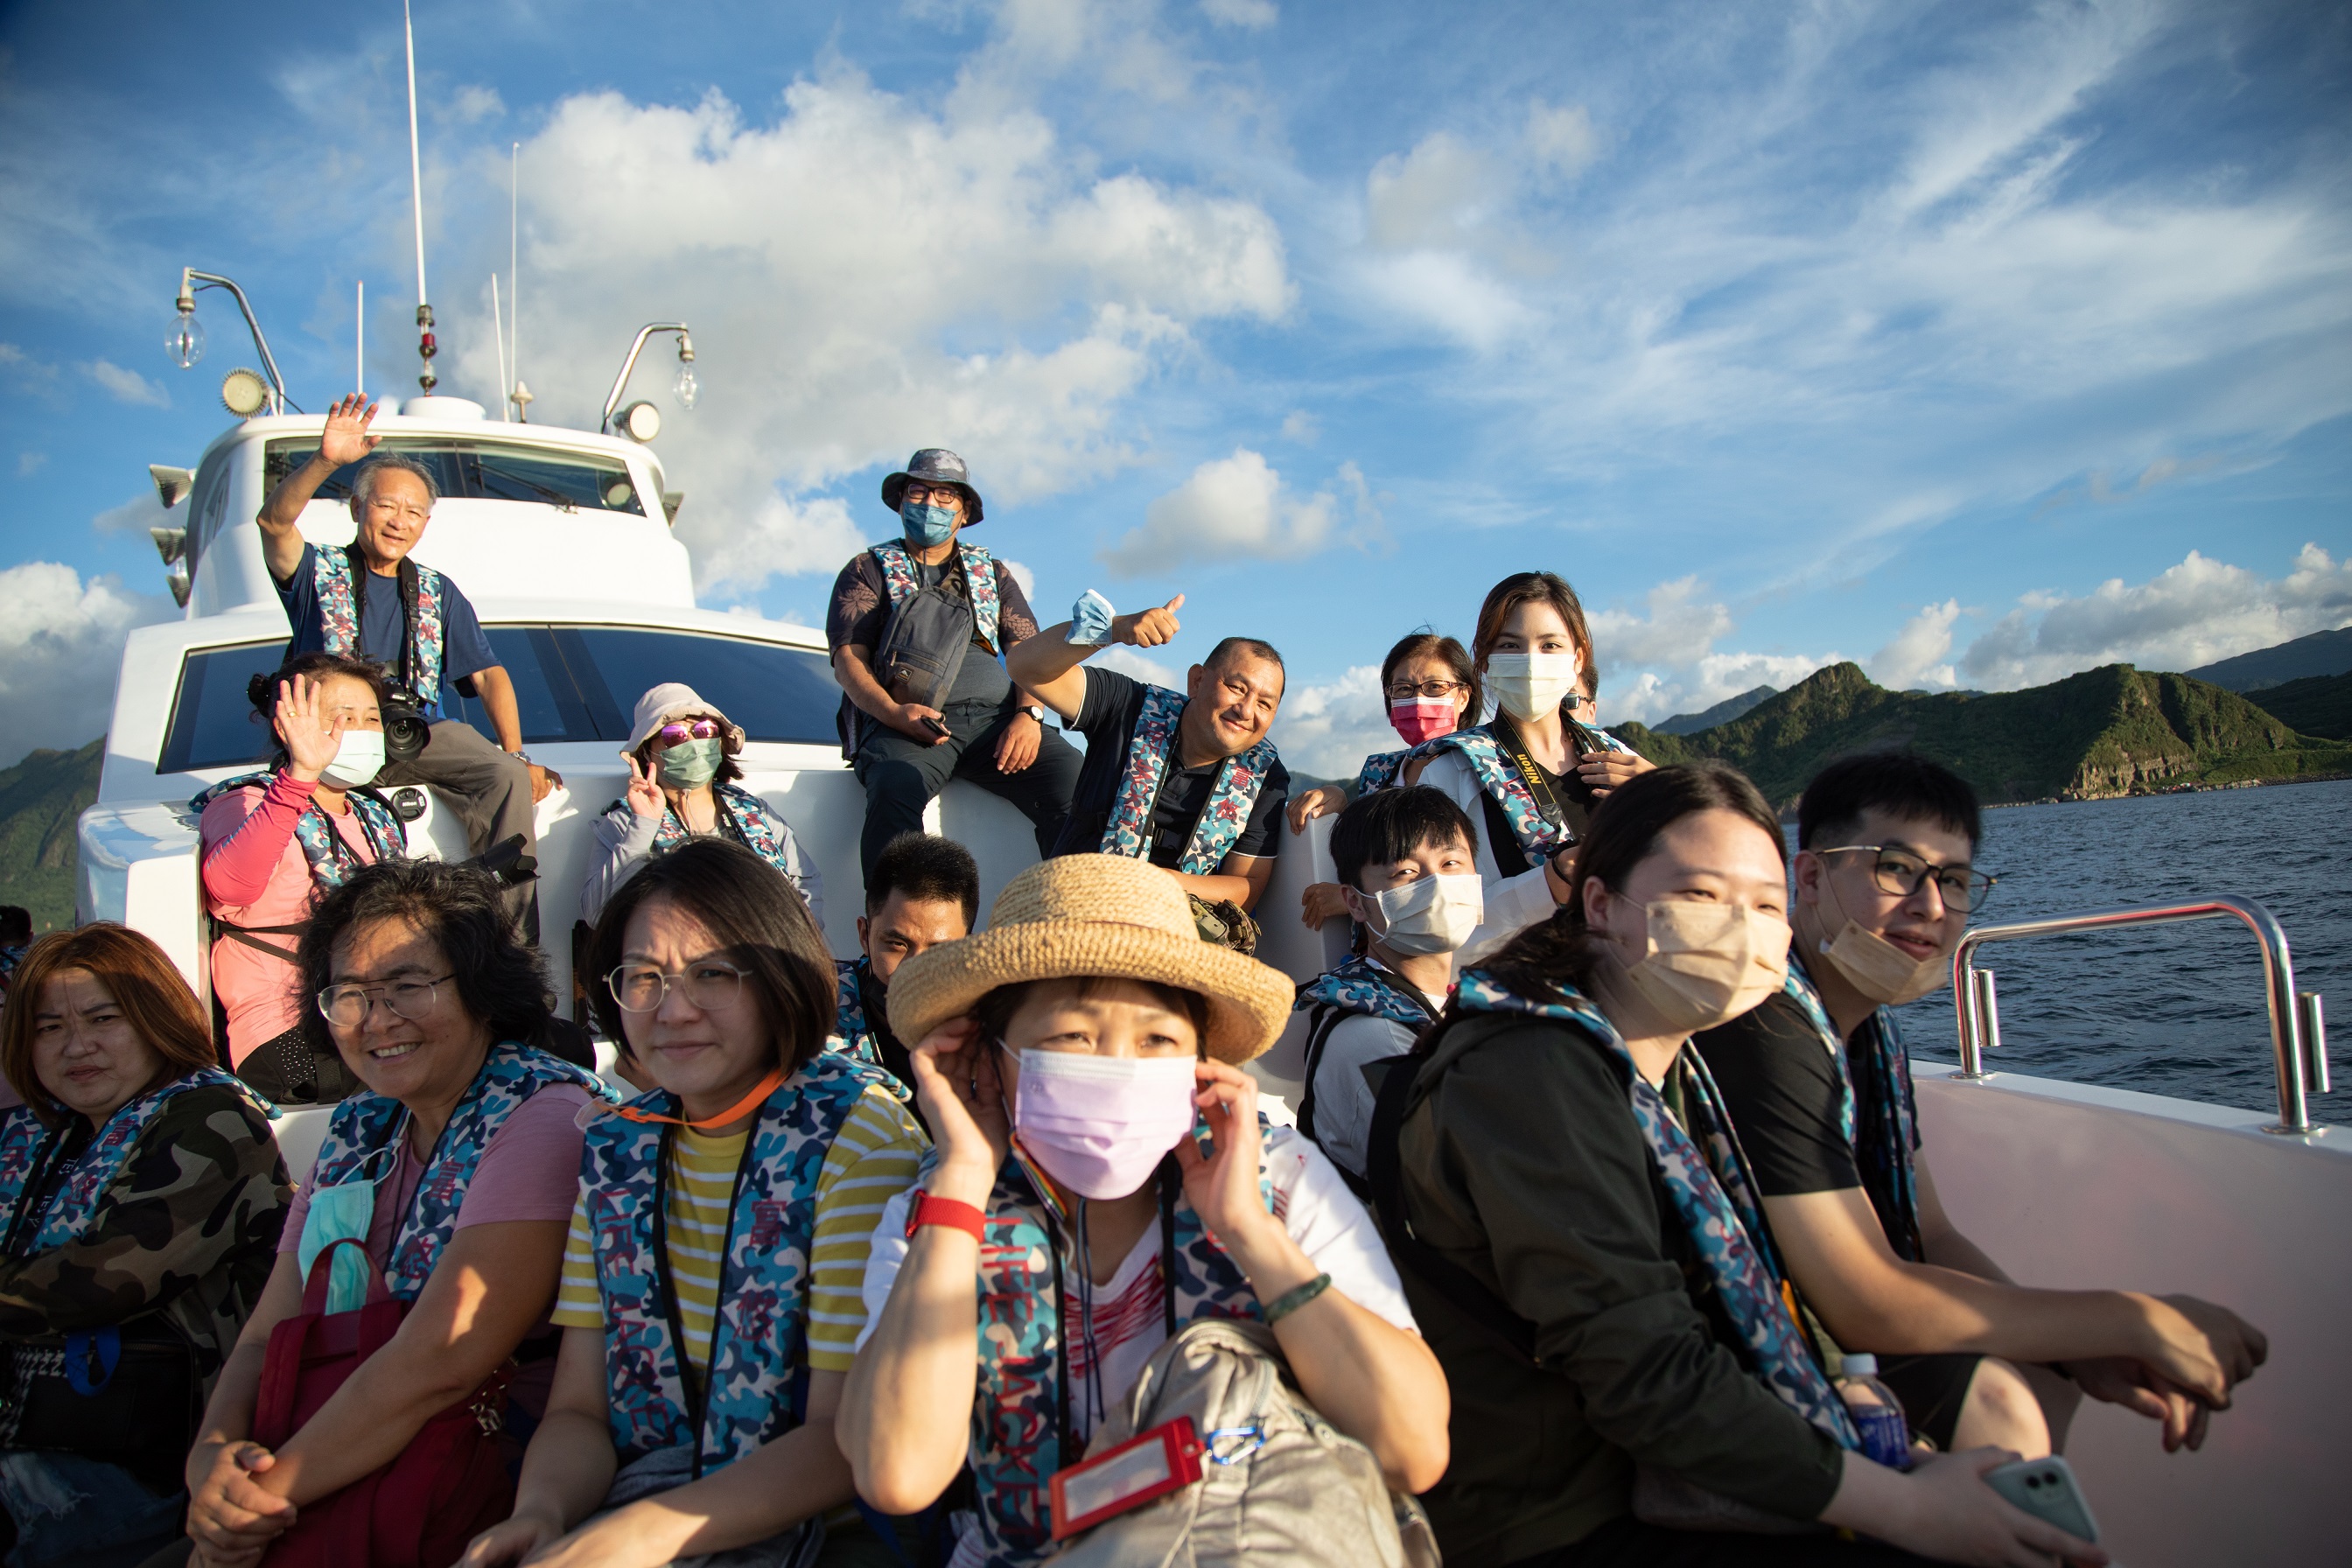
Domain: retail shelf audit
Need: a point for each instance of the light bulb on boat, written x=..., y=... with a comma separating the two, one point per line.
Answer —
x=185, y=341
x=686, y=385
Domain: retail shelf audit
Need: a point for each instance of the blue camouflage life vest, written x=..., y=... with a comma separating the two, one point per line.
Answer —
x=852, y=1034
x=1883, y=1133
x=332, y=860
x=752, y=1389
x=1357, y=987
x=338, y=618
x=28, y=1150
x=743, y=817
x=363, y=1130
x=1499, y=777
x=1150, y=751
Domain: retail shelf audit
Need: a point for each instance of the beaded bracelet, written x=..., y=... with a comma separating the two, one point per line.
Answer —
x=1297, y=1296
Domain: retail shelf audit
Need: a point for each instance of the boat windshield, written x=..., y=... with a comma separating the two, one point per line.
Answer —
x=483, y=470
x=572, y=683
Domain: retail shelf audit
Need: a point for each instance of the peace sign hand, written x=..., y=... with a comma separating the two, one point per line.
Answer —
x=346, y=438
x=644, y=795
x=311, y=740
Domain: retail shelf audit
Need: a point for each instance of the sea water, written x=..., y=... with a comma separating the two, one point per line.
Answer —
x=2176, y=1010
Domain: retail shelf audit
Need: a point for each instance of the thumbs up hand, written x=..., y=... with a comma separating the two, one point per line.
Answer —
x=1148, y=628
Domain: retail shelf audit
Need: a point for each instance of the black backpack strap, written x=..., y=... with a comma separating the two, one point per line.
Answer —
x=1462, y=1288
x=1503, y=839
x=1321, y=1022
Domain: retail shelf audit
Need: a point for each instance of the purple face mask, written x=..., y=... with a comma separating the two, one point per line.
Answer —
x=1099, y=1125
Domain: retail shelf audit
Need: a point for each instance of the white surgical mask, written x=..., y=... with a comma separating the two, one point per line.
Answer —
x=358, y=759
x=1429, y=914
x=1707, y=964
x=1100, y=1124
x=1877, y=968
x=1529, y=684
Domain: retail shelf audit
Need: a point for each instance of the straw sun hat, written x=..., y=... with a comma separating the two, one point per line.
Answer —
x=1094, y=914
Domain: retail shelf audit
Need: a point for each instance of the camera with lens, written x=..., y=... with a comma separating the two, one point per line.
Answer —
x=406, y=730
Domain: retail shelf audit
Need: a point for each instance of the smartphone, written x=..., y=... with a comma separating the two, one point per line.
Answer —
x=2046, y=1489
x=935, y=727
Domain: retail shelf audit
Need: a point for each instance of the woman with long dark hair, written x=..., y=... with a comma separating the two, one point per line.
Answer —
x=141, y=1195
x=1574, y=1219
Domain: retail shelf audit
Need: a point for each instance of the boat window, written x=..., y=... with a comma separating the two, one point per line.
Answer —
x=572, y=683
x=483, y=470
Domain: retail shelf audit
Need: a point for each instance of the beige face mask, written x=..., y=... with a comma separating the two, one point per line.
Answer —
x=1875, y=966
x=1708, y=964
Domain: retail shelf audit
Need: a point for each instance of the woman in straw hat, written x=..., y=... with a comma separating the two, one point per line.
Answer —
x=1070, y=1220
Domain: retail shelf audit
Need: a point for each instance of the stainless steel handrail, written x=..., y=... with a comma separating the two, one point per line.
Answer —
x=2298, y=1038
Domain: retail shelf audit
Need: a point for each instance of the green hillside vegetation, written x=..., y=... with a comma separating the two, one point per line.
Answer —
x=2317, y=705
x=40, y=800
x=2116, y=731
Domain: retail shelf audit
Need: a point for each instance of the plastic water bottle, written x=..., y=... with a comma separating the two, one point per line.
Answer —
x=1877, y=1414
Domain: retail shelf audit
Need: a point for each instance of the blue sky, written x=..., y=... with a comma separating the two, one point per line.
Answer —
x=1978, y=343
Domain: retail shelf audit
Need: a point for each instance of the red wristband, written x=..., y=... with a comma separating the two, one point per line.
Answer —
x=929, y=1210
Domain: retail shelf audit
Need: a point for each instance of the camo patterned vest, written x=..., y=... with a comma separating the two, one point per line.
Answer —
x=1379, y=771
x=903, y=581
x=1883, y=1133
x=752, y=1389
x=359, y=1142
x=28, y=1150
x=1357, y=987
x=852, y=1034
x=1021, y=1431
x=743, y=817
x=1148, y=752
x=1707, y=1175
x=338, y=619
x=332, y=860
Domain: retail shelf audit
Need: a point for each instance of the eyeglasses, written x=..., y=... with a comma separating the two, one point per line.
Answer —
x=711, y=984
x=388, y=508
x=1902, y=873
x=1401, y=689
x=691, y=730
x=346, y=1006
x=926, y=495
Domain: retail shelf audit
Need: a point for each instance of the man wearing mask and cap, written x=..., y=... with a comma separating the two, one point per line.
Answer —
x=682, y=785
x=918, y=627
x=1819, y=1083
x=1408, y=868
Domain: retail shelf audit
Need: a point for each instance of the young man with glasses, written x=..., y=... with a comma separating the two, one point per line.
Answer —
x=369, y=600
x=1819, y=1084
x=933, y=703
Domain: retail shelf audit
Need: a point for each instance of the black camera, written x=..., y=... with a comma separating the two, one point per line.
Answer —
x=405, y=730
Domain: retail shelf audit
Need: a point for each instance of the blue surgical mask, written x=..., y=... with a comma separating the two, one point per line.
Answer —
x=927, y=525
x=340, y=1213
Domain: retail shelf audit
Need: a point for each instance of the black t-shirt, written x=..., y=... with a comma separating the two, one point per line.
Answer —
x=1780, y=1085
x=1106, y=719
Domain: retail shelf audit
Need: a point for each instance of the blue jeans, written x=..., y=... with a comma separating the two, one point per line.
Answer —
x=84, y=1512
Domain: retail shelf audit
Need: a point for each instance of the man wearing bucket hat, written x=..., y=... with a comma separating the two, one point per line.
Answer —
x=918, y=627
x=682, y=773
x=1069, y=1220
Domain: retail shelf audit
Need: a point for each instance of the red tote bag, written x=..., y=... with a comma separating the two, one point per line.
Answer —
x=418, y=1511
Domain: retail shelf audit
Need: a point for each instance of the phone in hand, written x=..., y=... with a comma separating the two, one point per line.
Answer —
x=2045, y=1488
x=935, y=726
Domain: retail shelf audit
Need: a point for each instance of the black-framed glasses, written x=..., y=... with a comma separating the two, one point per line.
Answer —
x=346, y=1006
x=1401, y=689
x=929, y=495
x=712, y=983
x=1900, y=873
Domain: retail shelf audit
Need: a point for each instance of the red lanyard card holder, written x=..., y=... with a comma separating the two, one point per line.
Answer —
x=1148, y=1465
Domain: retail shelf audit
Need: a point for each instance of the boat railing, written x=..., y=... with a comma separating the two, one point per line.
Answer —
x=2298, y=1027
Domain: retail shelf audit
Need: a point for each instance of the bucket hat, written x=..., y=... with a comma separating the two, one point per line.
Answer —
x=1094, y=915
x=676, y=699
x=934, y=466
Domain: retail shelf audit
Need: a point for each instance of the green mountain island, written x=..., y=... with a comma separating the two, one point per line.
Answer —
x=2110, y=732
x=41, y=799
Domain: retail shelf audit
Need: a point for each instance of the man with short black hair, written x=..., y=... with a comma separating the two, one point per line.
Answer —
x=1819, y=1085
x=1408, y=864
x=923, y=890
x=368, y=599
x=1185, y=780
x=916, y=627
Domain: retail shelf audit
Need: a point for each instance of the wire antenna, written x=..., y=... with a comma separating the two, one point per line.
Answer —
x=517, y=396
x=426, y=347
x=359, y=348
x=498, y=336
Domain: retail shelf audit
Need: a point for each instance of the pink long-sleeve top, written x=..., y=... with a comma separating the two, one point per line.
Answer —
x=255, y=874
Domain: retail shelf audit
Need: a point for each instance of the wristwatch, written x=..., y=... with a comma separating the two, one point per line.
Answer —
x=1036, y=711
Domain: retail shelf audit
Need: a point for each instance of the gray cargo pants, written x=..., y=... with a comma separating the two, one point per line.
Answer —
x=490, y=791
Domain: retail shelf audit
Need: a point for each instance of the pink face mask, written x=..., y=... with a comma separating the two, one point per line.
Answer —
x=1100, y=1124
x=1420, y=719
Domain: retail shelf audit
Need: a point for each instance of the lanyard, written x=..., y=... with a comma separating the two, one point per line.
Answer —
x=759, y=1091
x=1546, y=803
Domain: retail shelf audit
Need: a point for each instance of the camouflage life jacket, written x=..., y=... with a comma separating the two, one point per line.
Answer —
x=852, y=1034
x=1379, y=771
x=29, y=1151
x=903, y=581
x=419, y=669
x=330, y=857
x=754, y=1389
x=1354, y=987
x=1151, y=750
x=743, y=817
x=1021, y=1428
x=1883, y=1133
x=362, y=1134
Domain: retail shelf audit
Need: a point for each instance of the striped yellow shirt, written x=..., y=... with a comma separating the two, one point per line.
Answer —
x=872, y=1158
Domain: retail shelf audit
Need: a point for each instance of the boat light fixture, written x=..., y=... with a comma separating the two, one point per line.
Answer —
x=685, y=385
x=640, y=422
x=171, y=484
x=244, y=393
x=171, y=543
x=185, y=341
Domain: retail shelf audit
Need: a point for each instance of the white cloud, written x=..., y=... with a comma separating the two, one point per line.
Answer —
x=137, y=515
x=1028, y=581
x=1237, y=507
x=1433, y=196
x=1251, y=14
x=1302, y=427
x=128, y=386
x=2184, y=616
x=30, y=463
x=1919, y=654
x=1661, y=662
x=1328, y=729
x=1559, y=139
x=1130, y=661
x=60, y=644
x=783, y=535
x=474, y=103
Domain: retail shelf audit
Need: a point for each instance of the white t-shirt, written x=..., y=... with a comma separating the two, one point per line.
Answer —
x=1128, y=1319
x=1343, y=1100
x=1513, y=903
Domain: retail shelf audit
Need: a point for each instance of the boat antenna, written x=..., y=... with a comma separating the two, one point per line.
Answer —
x=519, y=396
x=499, y=335
x=359, y=349
x=426, y=347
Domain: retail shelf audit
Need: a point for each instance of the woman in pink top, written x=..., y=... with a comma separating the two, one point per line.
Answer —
x=275, y=843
